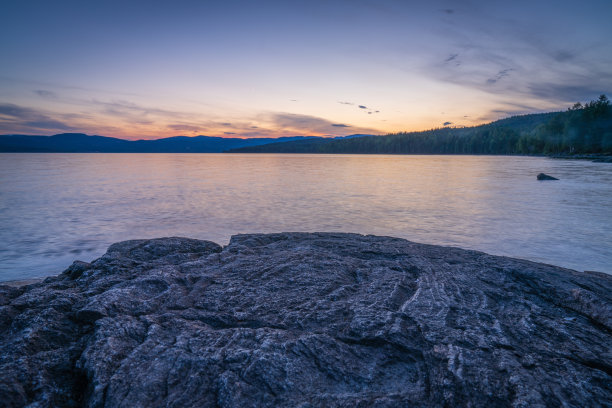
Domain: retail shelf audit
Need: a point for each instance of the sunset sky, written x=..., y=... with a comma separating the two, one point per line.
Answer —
x=150, y=69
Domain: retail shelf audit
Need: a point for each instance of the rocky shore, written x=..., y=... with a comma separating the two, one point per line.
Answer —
x=595, y=158
x=306, y=320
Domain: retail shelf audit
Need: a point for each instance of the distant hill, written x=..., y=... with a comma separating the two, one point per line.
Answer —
x=82, y=143
x=579, y=130
x=582, y=129
x=309, y=145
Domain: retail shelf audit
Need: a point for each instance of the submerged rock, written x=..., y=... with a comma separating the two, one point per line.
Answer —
x=543, y=176
x=305, y=320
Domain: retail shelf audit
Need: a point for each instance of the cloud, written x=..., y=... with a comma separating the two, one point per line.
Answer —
x=359, y=106
x=509, y=109
x=291, y=123
x=7, y=109
x=448, y=123
x=127, y=109
x=572, y=91
x=448, y=11
x=451, y=57
x=114, y=118
x=453, y=60
x=45, y=94
x=18, y=118
x=48, y=124
x=563, y=56
x=518, y=57
x=556, y=85
x=125, y=118
x=297, y=121
x=183, y=127
x=501, y=74
x=119, y=117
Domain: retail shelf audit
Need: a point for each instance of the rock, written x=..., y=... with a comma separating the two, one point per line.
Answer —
x=543, y=176
x=76, y=269
x=306, y=320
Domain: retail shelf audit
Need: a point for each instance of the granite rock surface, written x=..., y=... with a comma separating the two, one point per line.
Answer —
x=306, y=320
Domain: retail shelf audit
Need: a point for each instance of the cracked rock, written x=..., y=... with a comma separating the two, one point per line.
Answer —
x=306, y=320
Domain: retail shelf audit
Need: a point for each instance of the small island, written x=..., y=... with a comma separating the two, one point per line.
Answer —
x=306, y=319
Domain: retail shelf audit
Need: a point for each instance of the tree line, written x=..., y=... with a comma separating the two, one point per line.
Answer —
x=582, y=129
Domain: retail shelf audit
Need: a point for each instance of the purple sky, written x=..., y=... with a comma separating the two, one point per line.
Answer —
x=148, y=69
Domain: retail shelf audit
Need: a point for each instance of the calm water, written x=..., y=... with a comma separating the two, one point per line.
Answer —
x=55, y=208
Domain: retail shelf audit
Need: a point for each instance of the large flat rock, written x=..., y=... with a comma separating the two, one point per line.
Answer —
x=306, y=320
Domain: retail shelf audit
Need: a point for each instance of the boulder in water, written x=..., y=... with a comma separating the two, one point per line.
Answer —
x=543, y=176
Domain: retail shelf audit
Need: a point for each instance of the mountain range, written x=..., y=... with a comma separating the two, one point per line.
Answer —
x=582, y=129
x=82, y=143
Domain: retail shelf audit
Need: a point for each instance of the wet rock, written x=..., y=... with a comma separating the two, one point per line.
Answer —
x=76, y=269
x=308, y=320
x=543, y=176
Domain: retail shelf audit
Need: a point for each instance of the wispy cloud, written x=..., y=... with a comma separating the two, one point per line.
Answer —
x=45, y=94
x=18, y=118
x=128, y=109
x=501, y=74
x=574, y=91
x=290, y=123
x=563, y=55
x=127, y=118
x=183, y=127
x=513, y=58
x=453, y=60
x=364, y=107
x=451, y=57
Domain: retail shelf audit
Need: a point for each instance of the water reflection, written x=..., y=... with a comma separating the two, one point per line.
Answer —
x=58, y=207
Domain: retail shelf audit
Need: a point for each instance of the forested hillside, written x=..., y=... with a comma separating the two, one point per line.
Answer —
x=582, y=129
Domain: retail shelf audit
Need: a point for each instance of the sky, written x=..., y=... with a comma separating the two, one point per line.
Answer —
x=151, y=69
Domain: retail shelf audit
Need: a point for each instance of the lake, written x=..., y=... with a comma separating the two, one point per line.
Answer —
x=55, y=208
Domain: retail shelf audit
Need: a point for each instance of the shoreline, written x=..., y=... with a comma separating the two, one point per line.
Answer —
x=24, y=282
x=594, y=157
x=30, y=281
